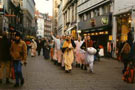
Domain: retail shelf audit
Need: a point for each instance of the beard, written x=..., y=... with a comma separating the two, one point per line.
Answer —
x=17, y=41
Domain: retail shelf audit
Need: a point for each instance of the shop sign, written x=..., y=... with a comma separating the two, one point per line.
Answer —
x=110, y=37
x=104, y=20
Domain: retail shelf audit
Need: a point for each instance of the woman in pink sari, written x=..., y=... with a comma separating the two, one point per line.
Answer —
x=78, y=52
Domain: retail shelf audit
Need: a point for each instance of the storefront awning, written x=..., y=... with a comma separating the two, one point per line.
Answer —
x=122, y=12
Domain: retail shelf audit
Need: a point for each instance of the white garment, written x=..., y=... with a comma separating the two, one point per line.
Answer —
x=90, y=60
x=101, y=52
x=57, y=42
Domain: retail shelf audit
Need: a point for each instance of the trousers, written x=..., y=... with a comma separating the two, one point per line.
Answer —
x=18, y=71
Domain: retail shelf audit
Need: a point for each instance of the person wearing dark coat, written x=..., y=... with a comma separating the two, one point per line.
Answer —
x=5, y=57
x=46, y=50
x=39, y=45
x=42, y=45
x=126, y=51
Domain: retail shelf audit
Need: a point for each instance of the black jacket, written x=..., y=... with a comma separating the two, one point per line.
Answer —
x=5, y=49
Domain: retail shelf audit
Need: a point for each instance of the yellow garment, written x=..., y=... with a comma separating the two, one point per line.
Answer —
x=3, y=66
x=68, y=55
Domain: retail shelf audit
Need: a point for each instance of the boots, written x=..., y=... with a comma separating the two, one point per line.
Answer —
x=16, y=85
x=85, y=67
x=7, y=80
x=22, y=82
x=0, y=81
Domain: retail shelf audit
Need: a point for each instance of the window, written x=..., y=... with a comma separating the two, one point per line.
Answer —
x=106, y=9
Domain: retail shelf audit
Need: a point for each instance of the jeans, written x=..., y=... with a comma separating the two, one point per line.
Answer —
x=18, y=71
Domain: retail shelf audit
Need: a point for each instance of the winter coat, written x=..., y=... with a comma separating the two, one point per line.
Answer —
x=19, y=51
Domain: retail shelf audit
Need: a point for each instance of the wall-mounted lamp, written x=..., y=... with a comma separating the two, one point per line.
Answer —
x=79, y=31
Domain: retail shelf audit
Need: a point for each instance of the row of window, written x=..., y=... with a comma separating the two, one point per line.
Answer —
x=71, y=14
x=96, y=12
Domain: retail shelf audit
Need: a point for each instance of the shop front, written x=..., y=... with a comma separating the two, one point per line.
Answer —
x=99, y=28
x=123, y=26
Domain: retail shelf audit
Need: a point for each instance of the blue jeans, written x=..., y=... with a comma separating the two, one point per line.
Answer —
x=18, y=71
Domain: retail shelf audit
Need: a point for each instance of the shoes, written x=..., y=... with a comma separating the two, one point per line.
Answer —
x=22, y=82
x=67, y=71
x=0, y=81
x=16, y=85
x=7, y=81
x=82, y=66
x=85, y=67
x=63, y=68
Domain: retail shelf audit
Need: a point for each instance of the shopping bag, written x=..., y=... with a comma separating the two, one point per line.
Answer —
x=12, y=73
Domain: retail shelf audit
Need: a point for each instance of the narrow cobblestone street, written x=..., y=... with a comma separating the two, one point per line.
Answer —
x=42, y=74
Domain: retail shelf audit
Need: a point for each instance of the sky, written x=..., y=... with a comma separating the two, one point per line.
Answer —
x=44, y=6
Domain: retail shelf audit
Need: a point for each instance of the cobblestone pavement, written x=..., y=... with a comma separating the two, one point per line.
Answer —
x=42, y=74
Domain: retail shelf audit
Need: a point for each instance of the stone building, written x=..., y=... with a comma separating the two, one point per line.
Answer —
x=28, y=7
x=47, y=25
x=95, y=19
x=70, y=17
x=123, y=21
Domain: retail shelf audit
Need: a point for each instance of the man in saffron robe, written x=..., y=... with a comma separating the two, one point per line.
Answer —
x=68, y=54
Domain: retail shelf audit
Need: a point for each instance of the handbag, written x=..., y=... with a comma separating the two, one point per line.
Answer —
x=12, y=73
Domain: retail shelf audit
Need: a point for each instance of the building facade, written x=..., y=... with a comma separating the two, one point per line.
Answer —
x=10, y=16
x=70, y=17
x=95, y=19
x=55, y=16
x=60, y=25
x=28, y=7
x=40, y=24
x=47, y=25
x=123, y=21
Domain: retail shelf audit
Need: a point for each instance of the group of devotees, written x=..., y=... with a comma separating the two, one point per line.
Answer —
x=67, y=51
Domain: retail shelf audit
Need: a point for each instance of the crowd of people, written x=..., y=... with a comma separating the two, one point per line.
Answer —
x=64, y=51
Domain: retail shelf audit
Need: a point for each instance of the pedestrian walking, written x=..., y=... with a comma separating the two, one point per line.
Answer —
x=51, y=44
x=46, y=49
x=39, y=47
x=57, y=48
x=68, y=54
x=28, y=42
x=42, y=45
x=125, y=51
x=62, y=57
x=33, y=48
x=87, y=45
x=19, y=55
x=5, y=58
x=78, y=51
